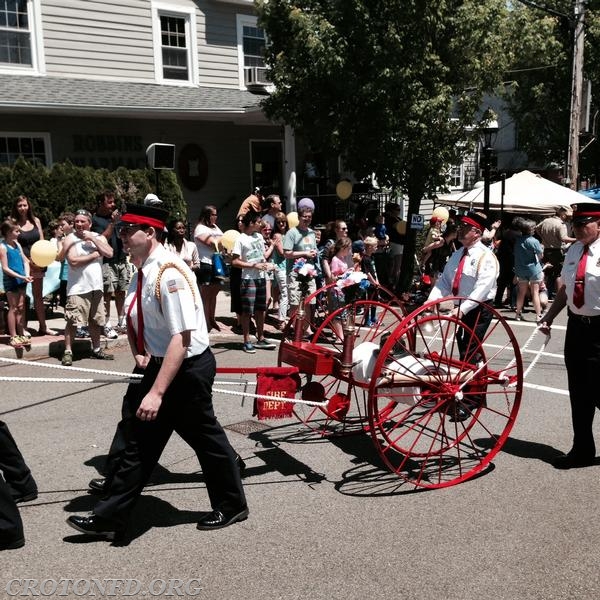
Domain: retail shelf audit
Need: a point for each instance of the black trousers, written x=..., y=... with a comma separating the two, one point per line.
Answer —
x=12, y=464
x=555, y=257
x=582, y=359
x=131, y=402
x=469, y=345
x=16, y=480
x=187, y=409
x=477, y=320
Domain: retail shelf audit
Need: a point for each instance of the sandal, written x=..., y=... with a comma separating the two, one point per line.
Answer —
x=16, y=341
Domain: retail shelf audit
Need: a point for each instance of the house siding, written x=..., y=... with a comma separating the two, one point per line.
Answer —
x=89, y=38
x=217, y=44
x=113, y=40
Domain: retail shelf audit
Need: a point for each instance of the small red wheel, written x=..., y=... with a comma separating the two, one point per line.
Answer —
x=346, y=397
x=444, y=396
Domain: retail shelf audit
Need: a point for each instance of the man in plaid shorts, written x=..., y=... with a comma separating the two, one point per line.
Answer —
x=249, y=255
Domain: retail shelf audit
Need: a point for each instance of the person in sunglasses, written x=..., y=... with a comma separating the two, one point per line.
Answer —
x=469, y=281
x=169, y=342
x=85, y=250
x=578, y=288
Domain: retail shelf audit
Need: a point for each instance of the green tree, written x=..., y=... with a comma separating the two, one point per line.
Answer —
x=391, y=86
x=539, y=49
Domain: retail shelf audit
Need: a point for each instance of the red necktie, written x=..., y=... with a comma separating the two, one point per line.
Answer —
x=139, y=337
x=579, y=289
x=458, y=274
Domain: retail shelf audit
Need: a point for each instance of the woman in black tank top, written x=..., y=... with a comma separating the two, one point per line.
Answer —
x=31, y=232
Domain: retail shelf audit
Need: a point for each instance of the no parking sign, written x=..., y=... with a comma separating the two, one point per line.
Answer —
x=417, y=222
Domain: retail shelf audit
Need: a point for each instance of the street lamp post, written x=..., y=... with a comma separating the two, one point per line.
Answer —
x=488, y=137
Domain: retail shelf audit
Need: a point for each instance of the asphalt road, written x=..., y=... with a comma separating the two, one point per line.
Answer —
x=326, y=521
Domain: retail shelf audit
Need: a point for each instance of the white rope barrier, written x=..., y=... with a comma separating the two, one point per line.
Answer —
x=80, y=369
x=63, y=380
x=134, y=378
x=273, y=398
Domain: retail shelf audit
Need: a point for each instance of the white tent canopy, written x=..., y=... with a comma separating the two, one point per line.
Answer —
x=525, y=192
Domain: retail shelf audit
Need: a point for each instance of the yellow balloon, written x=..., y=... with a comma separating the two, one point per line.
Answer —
x=441, y=212
x=43, y=252
x=292, y=219
x=229, y=238
x=343, y=190
x=401, y=227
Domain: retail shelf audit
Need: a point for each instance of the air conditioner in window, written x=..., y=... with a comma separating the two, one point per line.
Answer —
x=256, y=77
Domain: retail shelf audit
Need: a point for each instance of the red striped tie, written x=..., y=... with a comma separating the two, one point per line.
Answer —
x=579, y=289
x=458, y=274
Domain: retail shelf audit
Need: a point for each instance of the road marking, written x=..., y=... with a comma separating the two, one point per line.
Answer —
x=545, y=388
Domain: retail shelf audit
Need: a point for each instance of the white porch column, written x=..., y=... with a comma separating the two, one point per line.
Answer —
x=289, y=167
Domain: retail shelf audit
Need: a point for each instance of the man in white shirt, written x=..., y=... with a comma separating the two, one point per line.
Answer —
x=470, y=273
x=85, y=250
x=249, y=255
x=169, y=341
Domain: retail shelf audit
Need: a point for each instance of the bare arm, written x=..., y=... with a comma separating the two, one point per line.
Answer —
x=39, y=227
x=171, y=364
x=101, y=243
x=8, y=271
x=560, y=301
x=242, y=264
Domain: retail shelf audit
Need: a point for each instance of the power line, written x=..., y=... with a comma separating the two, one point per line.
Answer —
x=545, y=9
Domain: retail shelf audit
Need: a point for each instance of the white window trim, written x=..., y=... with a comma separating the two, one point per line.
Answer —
x=242, y=20
x=38, y=66
x=31, y=134
x=189, y=14
x=461, y=177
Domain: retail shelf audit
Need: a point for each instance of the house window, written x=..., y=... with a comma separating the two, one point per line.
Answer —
x=174, y=44
x=456, y=177
x=251, y=46
x=174, y=47
x=33, y=147
x=20, y=31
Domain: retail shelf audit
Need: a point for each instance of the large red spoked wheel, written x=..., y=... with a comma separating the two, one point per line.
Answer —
x=346, y=398
x=445, y=394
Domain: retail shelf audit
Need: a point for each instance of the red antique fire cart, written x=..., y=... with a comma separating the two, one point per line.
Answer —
x=438, y=400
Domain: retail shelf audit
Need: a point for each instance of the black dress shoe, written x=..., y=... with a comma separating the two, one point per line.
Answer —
x=459, y=415
x=217, y=520
x=28, y=497
x=94, y=525
x=241, y=464
x=12, y=544
x=572, y=461
x=97, y=486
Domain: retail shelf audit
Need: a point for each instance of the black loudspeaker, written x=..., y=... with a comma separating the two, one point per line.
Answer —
x=161, y=156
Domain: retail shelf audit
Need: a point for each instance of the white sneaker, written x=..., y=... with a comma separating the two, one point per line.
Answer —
x=110, y=333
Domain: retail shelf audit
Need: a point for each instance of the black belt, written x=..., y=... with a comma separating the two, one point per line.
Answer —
x=585, y=319
x=159, y=359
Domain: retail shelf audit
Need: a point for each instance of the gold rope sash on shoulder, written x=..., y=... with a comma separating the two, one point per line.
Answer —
x=171, y=265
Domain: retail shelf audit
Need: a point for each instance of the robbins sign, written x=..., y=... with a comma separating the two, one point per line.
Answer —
x=108, y=151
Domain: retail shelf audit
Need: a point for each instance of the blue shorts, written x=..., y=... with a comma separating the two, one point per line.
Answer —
x=12, y=284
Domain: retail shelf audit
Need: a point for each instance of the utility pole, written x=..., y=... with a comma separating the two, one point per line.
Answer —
x=576, y=95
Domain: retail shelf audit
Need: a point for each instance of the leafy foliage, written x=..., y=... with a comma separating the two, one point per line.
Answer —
x=66, y=187
x=391, y=86
x=540, y=52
